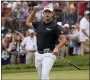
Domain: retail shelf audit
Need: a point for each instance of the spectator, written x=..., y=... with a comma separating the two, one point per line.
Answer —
x=13, y=51
x=81, y=6
x=6, y=49
x=4, y=8
x=6, y=18
x=75, y=39
x=18, y=16
x=70, y=15
x=64, y=49
x=66, y=28
x=26, y=11
x=20, y=53
x=30, y=47
x=88, y=5
x=84, y=33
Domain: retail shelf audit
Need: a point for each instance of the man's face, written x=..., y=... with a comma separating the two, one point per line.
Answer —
x=18, y=6
x=66, y=29
x=73, y=28
x=32, y=35
x=4, y=5
x=8, y=39
x=48, y=15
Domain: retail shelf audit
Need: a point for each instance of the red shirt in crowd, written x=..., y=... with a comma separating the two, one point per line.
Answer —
x=82, y=6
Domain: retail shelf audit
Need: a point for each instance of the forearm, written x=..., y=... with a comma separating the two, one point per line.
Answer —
x=30, y=18
x=23, y=48
x=62, y=42
x=18, y=54
x=7, y=50
x=21, y=35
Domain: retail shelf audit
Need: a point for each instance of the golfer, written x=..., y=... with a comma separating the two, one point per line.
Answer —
x=47, y=33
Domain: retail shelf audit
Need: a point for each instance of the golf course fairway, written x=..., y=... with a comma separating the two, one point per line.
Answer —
x=54, y=75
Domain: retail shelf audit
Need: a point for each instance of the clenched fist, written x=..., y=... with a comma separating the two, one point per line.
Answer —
x=56, y=52
x=36, y=8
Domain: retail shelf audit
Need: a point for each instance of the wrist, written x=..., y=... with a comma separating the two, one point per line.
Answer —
x=57, y=48
x=34, y=11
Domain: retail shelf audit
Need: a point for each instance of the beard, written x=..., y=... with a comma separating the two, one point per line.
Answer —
x=48, y=18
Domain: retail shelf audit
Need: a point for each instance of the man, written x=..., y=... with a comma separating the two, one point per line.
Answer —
x=84, y=32
x=66, y=28
x=47, y=33
x=74, y=40
x=64, y=51
x=30, y=47
x=5, y=57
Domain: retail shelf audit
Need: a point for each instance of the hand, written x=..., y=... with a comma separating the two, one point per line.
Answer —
x=5, y=45
x=17, y=31
x=18, y=60
x=25, y=51
x=36, y=8
x=56, y=52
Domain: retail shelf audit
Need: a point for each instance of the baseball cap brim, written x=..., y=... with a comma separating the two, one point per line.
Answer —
x=87, y=12
x=48, y=7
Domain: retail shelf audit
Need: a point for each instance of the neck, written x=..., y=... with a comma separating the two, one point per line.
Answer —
x=86, y=17
x=47, y=21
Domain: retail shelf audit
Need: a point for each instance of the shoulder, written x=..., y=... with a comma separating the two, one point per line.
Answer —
x=26, y=38
x=83, y=20
x=34, y=37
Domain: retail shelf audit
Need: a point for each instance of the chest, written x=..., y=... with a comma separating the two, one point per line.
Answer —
x=30, y=41
x=45, y=30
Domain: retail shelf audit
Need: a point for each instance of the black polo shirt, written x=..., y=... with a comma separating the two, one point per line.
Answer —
x=47, y=34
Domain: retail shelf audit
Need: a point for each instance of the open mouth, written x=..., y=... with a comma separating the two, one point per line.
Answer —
x=47, y=16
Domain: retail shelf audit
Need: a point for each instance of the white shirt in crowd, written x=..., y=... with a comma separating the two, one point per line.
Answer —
x=29, y=43
x=84, y=24
x=75, y=34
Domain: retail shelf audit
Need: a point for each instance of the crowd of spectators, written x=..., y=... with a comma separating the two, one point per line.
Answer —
x=14, y=30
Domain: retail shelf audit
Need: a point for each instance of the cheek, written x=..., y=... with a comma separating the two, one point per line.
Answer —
x=51, y=15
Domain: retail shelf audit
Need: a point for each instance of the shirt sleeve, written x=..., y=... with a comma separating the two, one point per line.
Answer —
x=82, y=25
x=59, y=30
x=35, y=24
x=23, y=42
x=10, y=47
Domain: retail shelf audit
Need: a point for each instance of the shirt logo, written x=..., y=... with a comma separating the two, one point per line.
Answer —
x=61, y=31
x=48, y=29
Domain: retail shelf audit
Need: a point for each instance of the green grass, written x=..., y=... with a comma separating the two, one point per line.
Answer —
x=59, y=65
x=60, y=71
x=54, y=75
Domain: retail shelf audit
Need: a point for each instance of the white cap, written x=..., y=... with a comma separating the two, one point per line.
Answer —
x=49, y=7
x=66, y=25
x=73, y=26
x=8, y=35
x=59, y=23
x=18, y=3
x=31, y=30
x=87, y=12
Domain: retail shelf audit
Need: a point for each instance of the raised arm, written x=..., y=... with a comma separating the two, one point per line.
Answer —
x=31, y=17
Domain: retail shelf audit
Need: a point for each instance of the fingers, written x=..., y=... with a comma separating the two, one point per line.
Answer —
x=36, y=8
x=18, y=60
x=56, y=52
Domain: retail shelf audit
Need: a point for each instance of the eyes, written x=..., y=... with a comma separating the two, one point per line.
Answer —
x=47, y=11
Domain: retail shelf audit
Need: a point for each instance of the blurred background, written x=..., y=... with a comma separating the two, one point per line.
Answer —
x=13, y=28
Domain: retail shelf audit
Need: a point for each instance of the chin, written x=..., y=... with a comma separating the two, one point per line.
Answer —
x=48, y=19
